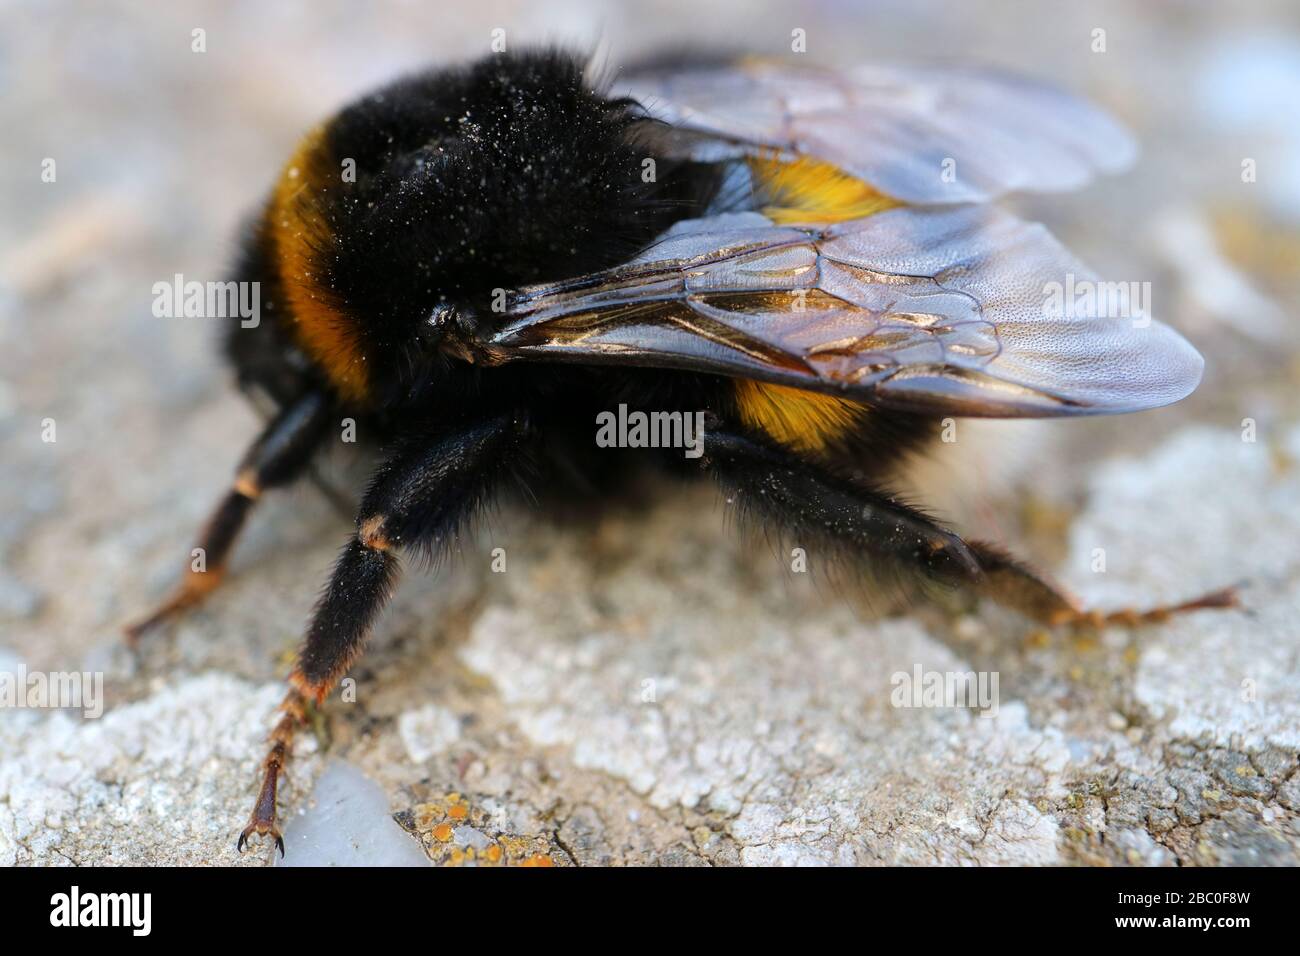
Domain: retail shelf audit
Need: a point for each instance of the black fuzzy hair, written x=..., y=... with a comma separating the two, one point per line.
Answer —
x=510, y=171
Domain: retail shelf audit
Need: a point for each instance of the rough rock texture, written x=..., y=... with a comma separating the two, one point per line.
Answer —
x=640, y=685
x=147, y=782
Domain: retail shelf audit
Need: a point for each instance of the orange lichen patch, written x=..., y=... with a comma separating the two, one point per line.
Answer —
x=803, y=421
x=298, y=231
x=422, y=818
x=807, y=190
x=1039, y=639
x=1085, y=643
x=454, y=832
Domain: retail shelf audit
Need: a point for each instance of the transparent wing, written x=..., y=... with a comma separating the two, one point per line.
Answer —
x=949, y=310
x=920, y=134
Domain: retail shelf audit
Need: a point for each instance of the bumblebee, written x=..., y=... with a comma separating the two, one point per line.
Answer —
x=474, y=264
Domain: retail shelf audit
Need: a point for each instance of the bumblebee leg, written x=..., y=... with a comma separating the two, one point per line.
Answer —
x=263, y=818
x=807, y=499
x=1016, y=585
x=419, y=498
x=278, y=456
x=846, y=514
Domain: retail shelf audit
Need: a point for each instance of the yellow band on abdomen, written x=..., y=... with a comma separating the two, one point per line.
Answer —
x=807, y=190
x=800, y=420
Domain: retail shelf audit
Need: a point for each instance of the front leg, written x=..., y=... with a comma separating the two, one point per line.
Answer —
x=281, y=453
x=419, y=498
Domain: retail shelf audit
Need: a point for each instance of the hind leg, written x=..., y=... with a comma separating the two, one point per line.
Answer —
x=860, y=520
x=1016, y=585
x=280, y=454
x=864, y=524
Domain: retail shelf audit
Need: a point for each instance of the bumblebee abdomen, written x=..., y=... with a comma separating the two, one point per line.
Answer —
x=808, y=190
x=800, y=420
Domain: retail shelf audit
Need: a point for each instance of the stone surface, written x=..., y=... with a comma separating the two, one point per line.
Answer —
x=146, y=783
x=347, y=822
x=642, y=685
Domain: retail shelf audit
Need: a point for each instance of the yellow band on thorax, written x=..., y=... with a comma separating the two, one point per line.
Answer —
x=298, y=229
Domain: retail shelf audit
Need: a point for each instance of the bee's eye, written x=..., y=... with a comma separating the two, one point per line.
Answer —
x=441, y=321
x=449, y=318
x=442, y=316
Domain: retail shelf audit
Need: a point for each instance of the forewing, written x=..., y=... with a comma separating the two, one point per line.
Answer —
x=924, y=135
x=949, y=310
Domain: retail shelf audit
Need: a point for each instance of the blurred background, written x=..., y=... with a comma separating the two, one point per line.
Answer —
x=770, y=739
